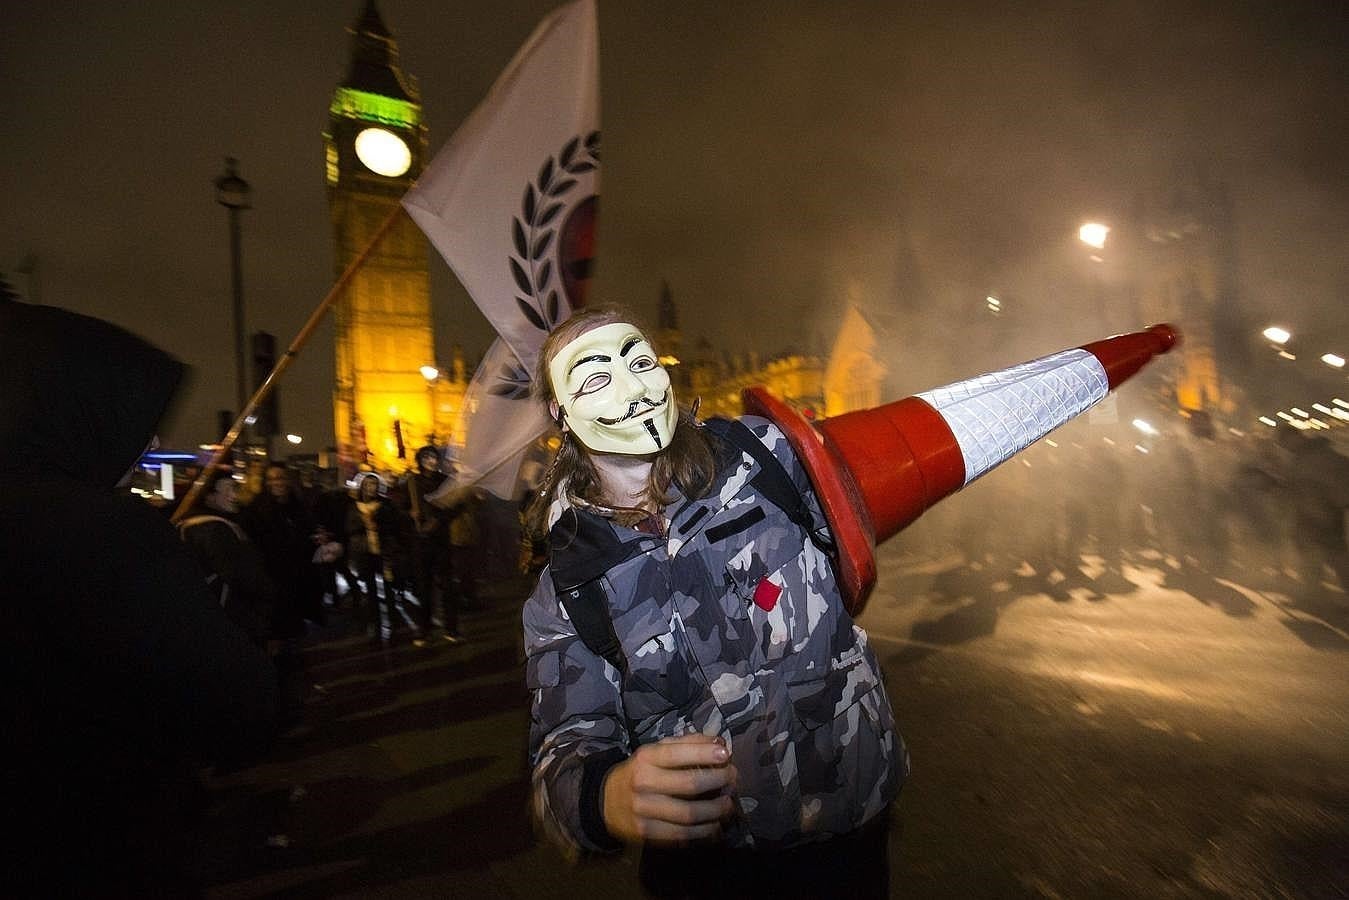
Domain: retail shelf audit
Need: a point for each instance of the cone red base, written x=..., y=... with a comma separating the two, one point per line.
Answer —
x=877, y=470
x=837, y=493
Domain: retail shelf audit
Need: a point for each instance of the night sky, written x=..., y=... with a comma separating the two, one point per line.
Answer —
x=772, y=160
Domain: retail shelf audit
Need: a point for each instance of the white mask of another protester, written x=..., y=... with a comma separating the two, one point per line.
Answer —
x=613, y=393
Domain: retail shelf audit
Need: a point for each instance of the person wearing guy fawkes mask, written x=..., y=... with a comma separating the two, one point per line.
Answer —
x=431, y=551
x=698, y=688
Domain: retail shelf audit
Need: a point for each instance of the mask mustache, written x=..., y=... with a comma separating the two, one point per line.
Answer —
x=635, y=408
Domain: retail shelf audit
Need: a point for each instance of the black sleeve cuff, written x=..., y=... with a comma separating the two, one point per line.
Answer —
x=593, y=771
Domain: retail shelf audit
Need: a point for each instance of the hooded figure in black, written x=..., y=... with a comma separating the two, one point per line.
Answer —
x=121, y=677
x=431, y=548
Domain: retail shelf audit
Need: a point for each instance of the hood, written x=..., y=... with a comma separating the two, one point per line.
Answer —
x=78, y=396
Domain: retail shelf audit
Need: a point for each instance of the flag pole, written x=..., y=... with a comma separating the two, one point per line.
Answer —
x=265, y=389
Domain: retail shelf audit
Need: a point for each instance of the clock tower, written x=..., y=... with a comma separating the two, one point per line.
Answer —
x=376, y=148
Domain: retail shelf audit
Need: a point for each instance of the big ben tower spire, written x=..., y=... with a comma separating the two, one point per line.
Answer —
x=376, y=148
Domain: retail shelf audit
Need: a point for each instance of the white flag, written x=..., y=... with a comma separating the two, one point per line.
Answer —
x=510, y=202
x=502, y=425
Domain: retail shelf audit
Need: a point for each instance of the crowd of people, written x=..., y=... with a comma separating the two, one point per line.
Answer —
x=401, y=553
x=1265, y=509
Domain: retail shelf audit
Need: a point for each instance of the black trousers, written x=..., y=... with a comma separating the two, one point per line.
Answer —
x=855, y=866
x=431, y=577
x=370, y=571
x=464, y=563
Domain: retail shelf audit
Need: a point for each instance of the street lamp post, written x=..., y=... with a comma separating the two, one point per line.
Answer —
x=231, y=192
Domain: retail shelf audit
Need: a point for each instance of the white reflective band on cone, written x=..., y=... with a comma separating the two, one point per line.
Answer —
x=1001, y=413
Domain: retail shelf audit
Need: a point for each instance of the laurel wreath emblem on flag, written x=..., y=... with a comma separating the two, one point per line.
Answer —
x=538, y=263
x=538, y=132
x=533, y=268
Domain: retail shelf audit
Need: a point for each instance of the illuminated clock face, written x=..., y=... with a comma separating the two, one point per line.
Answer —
x=383, y=152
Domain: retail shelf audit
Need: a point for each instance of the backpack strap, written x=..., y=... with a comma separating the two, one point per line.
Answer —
x=203, y=519
x=213, y=579
x=582, y=548
x=772, y=480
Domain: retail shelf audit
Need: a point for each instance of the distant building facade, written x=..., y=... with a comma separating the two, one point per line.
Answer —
x=1184, y=271
x=850, y=377
x=854, y=376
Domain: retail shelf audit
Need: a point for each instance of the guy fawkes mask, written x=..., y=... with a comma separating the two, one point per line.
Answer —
x=613, y=393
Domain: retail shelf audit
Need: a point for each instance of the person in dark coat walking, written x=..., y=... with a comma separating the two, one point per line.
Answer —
x=431, y=550
x=463, y=504
x=279, y=524
x=230, y=563
x=1316, y=482
x=121, y=676
x=287, y=535
x=314, y=497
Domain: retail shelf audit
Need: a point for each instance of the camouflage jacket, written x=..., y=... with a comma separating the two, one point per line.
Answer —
x=732, y=624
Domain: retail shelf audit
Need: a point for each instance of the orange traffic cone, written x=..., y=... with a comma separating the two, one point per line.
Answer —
x=876, y=470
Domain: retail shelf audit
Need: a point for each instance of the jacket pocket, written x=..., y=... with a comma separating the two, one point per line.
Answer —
x=771, y=588
x=761, y=552
x=846, y=746
x=543, y=670
x=659, y=679
x=821, y=700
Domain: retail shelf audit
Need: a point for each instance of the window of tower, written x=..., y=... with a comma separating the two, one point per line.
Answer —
x=333, y=172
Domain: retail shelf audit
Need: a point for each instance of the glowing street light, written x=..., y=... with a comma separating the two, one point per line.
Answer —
x=1276, y=335
x=1093, y=234
x=294, y=438
x=1335, y=361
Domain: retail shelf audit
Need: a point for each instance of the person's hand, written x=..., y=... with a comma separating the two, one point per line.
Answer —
x=674, y=791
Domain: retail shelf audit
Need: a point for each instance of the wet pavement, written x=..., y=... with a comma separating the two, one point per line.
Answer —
x=407, y=778
x=1141, y=733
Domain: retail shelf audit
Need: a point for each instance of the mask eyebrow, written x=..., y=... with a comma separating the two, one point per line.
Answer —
x=594, y=357
x=628, y=345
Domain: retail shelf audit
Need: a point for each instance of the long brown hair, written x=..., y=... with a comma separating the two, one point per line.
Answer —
x=689, y=460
